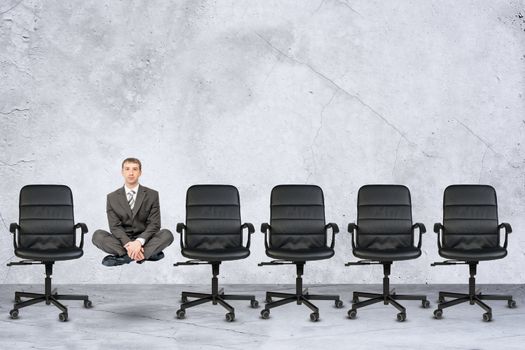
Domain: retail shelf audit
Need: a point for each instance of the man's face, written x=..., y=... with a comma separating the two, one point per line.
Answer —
x=131, y=173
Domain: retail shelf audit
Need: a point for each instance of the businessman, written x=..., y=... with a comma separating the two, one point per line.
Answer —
x=134, y=222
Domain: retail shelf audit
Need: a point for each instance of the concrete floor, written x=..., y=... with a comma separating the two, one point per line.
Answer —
x=134, y=316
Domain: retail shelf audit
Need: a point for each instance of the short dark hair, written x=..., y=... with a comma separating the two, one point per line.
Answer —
x=132, y=160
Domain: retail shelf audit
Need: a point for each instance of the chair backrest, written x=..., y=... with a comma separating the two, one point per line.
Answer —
x=46, y=217
x=384, y=217
x=213, y=217
x=297, y=217
x=470, y=217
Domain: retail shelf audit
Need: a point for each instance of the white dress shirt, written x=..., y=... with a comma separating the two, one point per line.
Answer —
x=136, y=189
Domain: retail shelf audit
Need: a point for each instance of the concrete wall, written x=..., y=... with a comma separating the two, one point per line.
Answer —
x=258, y=93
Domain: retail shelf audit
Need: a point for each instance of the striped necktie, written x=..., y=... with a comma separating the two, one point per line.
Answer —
x=131, y=199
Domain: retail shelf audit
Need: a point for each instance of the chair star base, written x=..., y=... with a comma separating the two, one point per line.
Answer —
x=388, y=297
x=50, y=296
x=473, y=297
x=301, y=297
x=217, y=296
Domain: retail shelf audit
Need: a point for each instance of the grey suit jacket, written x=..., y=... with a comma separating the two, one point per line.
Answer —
x=143, y=221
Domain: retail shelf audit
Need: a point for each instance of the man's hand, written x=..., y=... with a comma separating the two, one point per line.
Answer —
x=135, y=250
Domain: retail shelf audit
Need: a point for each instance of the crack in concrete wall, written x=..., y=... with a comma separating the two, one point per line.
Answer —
x=477, y=136
x=340, y=2
x=15, y=110
x=317, y=132
x=395, y=160
x=3, y=222
x=337, y=87
x=11, y=165
x=482, y=164
x=11, y=8
x=488, y=145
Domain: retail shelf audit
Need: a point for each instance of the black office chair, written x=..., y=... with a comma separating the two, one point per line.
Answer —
x=297, y=233
x=46, y=233
x=470, y=233
x=212, y=234
x=384, y=233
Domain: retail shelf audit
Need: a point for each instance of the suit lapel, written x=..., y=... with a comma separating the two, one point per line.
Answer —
x=138, y=202
x=123, y=201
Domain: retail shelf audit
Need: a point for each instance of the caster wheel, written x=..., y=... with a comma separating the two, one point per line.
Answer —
x=314, y=316
x=62, y=316
x=425, y=303
x=438, y=313
x=14, y=314
x=88, y=304
x=265, y=314
x=254, y=304
x=230, y=316
x=338, y=304
x=401, y=317
x=181, y=314
x=352, y=314
x=511, y=304
x=487, y=316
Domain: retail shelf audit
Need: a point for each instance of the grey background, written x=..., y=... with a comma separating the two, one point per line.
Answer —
x=258, y=93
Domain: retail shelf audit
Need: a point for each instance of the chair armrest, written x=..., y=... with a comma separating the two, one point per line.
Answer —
x=13, y=228
x=508, y=229
x=249, y=226
x=352, y=229
x=83, y=229
x=420, y=226
x=181, y=229
x=506, y=226
x=438, y=228
x=251, y=230
x=335, y=229
x=333, y=226
x=422, y=229
x=265, y=228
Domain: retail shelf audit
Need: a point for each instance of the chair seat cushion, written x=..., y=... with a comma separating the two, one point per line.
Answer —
x=50, y=254
x=474, y=254
x=388, y=255
x=216, y=254
x=301, y=255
